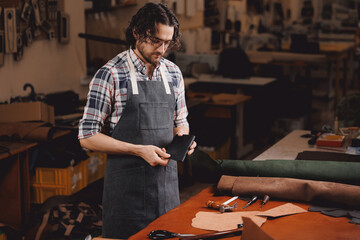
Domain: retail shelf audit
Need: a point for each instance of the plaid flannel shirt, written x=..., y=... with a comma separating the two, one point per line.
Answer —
x=107, y=95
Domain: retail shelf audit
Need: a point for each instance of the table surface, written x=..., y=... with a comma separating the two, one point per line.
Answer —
x=212, y=78
x=310, y=225
x=289, y=147
x=15, y=147
x=328, y=47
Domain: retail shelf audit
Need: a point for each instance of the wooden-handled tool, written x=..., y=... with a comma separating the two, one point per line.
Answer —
x=220, y=206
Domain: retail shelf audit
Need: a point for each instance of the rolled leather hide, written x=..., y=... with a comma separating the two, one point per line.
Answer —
x=292, y=189
x=332, y=171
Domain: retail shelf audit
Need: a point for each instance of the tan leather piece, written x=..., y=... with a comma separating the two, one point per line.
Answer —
x=253, y=232
x=292, y=189
x=217, y=221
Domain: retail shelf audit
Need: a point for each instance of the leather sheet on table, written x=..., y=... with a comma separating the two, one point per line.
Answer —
x=332, y=171
x=353, y=215
x=216, y=221
x=292, y=189
x=32, y=131
x=282, y=210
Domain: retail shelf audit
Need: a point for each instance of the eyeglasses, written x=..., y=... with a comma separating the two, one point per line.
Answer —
x=157, y=42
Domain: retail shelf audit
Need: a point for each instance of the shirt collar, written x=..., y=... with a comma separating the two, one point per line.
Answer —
x=139, y=64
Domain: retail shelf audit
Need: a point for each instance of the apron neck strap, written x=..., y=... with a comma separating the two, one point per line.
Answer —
x=164, y=75
x=134, y=85
x=165, y=78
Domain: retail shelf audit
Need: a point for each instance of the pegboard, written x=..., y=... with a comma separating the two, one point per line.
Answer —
x=25, y=21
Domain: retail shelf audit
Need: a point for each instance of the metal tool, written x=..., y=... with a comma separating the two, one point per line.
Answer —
x=230, y=200
x=163, y=234
x=254, y=198
x=265, y=200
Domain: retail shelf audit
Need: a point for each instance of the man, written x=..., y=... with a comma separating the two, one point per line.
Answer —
x=142, y=96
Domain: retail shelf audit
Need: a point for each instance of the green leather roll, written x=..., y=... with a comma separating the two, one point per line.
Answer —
x=332, y=171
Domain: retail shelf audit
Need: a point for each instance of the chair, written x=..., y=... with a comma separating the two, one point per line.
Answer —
x=348, y=111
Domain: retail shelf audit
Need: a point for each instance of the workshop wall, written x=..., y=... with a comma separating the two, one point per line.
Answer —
x=48, y=65
x=113, y=22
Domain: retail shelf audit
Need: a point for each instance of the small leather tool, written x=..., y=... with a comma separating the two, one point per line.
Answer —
x=265, y=200
x=253, y=199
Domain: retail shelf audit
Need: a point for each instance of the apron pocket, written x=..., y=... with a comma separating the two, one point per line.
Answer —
x=155, y=116
x=128, y=192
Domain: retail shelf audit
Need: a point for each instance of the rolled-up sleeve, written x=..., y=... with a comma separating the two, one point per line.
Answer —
x=181, y=112
x=98, y=104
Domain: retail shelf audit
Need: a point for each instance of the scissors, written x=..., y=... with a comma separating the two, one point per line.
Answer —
x=163, y=234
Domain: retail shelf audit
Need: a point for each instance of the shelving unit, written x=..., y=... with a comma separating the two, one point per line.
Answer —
x=110, y=8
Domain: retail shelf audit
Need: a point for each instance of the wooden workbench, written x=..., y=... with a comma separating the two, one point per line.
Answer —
x=310, y=225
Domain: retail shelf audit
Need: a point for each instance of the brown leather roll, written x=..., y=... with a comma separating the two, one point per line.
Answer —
x=292, y=189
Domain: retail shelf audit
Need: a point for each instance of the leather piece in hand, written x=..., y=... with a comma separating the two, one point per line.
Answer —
x=179, y=147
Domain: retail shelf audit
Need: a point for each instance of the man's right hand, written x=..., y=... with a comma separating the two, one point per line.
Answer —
x=153, y=155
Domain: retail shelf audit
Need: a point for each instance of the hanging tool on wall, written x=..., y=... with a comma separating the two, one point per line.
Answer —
x=10, y=30
x=20, y=48
x=2, y=47
x=26, y=10
x=52, y=10
x=48, y=29
x=27, y=36
x=63, y=27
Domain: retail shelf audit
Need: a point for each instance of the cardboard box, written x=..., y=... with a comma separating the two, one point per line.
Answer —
x=30, y=111
x=330, y=140
x=48, y=182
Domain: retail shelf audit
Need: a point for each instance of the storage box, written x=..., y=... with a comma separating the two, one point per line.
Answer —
x=2, y=235
x=31, y=111
x=48, y=182
x=330, y=140
x=95, y=166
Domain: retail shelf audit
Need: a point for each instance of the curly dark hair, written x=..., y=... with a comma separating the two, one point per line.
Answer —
x=145, y=20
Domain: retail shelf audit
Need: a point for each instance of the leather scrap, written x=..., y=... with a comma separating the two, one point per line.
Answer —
x=217, y=221
x=291, y=189
x=252, y=231
x=354, y=215
x=283, y=210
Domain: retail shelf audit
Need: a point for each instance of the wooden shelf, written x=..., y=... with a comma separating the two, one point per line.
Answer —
x=111, y=8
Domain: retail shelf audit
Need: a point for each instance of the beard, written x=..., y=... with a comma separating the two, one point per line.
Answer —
x=150, y=57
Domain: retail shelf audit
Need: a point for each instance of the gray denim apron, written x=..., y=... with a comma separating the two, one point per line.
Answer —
x=135, y=193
